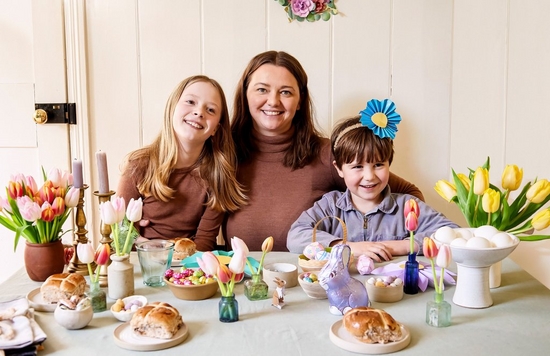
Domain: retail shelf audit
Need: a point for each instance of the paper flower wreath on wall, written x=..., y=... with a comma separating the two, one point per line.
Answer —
x=309, y=10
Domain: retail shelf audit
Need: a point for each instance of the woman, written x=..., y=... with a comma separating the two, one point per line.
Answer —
x=285, y=165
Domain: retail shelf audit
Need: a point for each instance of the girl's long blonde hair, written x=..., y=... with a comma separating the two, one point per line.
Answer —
x=217, y=162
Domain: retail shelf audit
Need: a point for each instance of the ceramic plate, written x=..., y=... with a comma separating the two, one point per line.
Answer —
x=127, y=339
x=341, y=338
x=35, y=301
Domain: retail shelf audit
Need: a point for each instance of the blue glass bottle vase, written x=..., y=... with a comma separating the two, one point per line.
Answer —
x=410, y=283
x=228, y=308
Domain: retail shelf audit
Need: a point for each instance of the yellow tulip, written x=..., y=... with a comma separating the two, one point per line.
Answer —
x=491, y=201
x=481, y=180
x=541, y=220
x=512, y=177
x=465, y=180
x=446, y=189
x=538, y=191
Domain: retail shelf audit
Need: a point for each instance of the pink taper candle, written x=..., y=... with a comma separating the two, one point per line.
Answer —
x=77, y=173
x=102, y=172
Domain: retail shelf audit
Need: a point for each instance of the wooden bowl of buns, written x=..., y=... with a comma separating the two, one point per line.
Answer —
x=193, y=291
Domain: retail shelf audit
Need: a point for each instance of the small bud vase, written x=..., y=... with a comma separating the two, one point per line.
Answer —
x=255, y=288
x=438, y=311
x=228, y=308
x=98, y=297
x=120, y=277
x=410, y=282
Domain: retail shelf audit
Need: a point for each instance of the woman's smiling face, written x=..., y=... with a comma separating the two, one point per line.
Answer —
x=273, y=99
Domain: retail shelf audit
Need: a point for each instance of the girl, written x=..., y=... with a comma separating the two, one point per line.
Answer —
x=186, y=177
x=374, y=216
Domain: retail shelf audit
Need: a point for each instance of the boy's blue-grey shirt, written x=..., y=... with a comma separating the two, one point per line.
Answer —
x=385, y=223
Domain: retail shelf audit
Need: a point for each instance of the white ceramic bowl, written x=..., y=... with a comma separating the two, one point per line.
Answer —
x=126, y=315
x=285, y=271
x=73, y=319
x=313, y=290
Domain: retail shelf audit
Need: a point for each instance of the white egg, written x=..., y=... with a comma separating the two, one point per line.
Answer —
x=478, y=242
x=466, y=234
x=486, y=231
x=445, y=234
x=459, y=241
x=502, y=239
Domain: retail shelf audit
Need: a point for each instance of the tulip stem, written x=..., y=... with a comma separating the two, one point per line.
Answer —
x=435, y=276
x=441, y=280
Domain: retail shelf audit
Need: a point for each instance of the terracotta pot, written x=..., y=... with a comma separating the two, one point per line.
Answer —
x=43, y=260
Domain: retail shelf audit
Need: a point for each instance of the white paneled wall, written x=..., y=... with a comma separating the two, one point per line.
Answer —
x=470, y=78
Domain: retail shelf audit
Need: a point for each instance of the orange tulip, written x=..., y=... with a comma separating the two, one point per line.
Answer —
x=429, y=248
x=411, y=222
x=411, y=205
x=47, y=212
x=102, y=254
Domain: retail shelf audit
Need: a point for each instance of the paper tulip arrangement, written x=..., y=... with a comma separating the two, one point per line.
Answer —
x=120, y=218
x=226, y=276
x=483, y=203
x=38, y=214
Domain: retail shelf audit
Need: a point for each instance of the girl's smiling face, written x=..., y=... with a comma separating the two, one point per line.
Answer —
x=198, y=113
x=273, y=99
x=365, y=181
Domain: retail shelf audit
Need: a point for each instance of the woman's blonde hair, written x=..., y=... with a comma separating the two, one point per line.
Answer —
x=217, y=162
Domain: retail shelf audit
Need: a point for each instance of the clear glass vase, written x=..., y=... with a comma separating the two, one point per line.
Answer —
x=410, y=282
x=98, y=297
x=228, y=308
x=255, y=288
x=438, y=311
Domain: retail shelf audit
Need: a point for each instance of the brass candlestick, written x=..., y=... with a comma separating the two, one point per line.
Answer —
x=76, y=266
x=105, y=230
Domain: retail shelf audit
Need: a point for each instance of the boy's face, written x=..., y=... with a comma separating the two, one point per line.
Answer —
x=366, y=181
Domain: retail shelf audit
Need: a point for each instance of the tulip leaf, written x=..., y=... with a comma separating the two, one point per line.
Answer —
x=533, y=237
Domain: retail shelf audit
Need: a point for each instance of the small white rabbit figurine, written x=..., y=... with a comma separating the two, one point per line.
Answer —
x=343, y=291
x=279, y=294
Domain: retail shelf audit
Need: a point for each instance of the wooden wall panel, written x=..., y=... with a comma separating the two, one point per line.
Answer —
x=169, y=41
x=361, y=56
x=421, y=76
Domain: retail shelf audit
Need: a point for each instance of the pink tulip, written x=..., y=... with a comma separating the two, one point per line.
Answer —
x=238, y=261
x=72, y=197
x=85, y=252
x=5, y=204
x=239, y=277
x=134, y=210
x=238, y=244
x=224, y=274
x=208, y=263
x=29, y=209
x=411, y=222
x=411, y=205
x=30, y=183
x=444, y=256
x=66, y=179
x=119, y=206
x=102, y=254
x=107, y=212
x=55, y=176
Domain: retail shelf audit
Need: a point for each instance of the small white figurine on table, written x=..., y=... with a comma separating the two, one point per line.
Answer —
x=279, y=294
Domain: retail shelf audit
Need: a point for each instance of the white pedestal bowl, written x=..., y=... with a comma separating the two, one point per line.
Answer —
x=473, y=264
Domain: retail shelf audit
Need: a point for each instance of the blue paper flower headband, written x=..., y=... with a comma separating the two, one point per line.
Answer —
x=379, y=116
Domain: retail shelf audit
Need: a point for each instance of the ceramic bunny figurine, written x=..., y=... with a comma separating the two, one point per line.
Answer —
x=343, y=291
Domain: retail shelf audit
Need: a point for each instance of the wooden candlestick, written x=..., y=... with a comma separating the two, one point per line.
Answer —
x=76, y=266
x=105, y=230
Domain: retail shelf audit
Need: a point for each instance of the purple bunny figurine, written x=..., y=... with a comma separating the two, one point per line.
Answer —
x=343, y=291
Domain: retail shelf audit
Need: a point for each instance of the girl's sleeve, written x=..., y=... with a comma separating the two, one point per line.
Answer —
x=208, y=230
x=402, y=186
